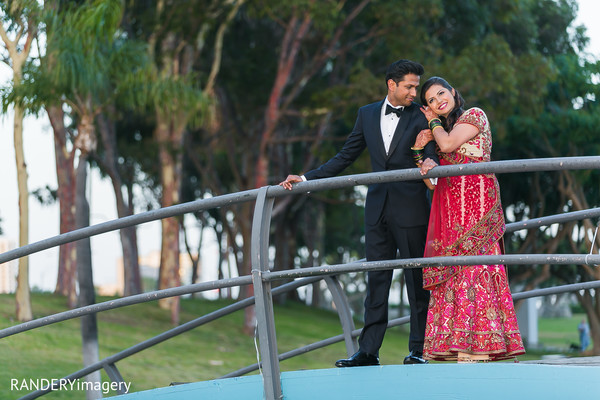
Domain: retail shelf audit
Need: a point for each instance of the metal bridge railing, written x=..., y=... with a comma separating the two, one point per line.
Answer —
x=262, y=277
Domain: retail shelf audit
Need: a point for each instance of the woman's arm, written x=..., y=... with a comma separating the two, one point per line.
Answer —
x=450, y=141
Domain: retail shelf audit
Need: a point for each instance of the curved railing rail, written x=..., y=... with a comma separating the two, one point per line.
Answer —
x=510, y=166
x=262, y=277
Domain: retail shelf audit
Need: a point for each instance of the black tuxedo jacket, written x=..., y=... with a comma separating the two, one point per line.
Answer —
x=408, y=199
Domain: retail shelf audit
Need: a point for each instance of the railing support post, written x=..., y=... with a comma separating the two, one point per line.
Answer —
x=115, y=376
x=343, y=309
x=265, y=318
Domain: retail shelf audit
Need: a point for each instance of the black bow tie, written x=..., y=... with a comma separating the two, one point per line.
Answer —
x=390, y=109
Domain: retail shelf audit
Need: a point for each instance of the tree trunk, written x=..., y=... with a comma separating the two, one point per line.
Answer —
x=195, y=261
x=132, y=279
x=222, y=254
x=131, y=268
x=65, y=175
x=573, y=190
x=18, y=52
x=230, y=269
x=296, y=30
x=89, y=325
x=283, y=254
x=589, y=304
x=246, y=266
x=170, y=143
x=131, y=234
x=318, y=235
x=23, y=299
x=169, y=265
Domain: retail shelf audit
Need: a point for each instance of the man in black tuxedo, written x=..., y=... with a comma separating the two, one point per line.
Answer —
x=396, y=213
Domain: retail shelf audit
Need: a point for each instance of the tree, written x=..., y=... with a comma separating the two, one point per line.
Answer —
x=569, y=131
x=176, y=43
x=457, y=39
x=20, y=19
x=550, y=112
x=108, y=160
x=301, y=39
x=58, y=81
x=75, y=81
x=81, y=45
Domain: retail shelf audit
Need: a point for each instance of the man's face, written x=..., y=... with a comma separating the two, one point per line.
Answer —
x=404, y=92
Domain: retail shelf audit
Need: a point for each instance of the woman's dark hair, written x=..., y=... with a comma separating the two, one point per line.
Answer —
x=450, y=120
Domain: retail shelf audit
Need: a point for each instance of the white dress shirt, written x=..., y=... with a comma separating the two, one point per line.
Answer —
x=389, y=123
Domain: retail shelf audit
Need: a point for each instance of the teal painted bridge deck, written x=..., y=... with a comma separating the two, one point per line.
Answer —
x=434, y=381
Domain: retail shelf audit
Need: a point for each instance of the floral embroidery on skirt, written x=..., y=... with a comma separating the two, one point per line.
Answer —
x=473, y=313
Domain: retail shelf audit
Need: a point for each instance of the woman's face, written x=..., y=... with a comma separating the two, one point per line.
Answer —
x=440, y=100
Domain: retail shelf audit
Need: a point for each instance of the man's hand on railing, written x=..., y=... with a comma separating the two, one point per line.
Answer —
x=427, y=165
x=287, y=184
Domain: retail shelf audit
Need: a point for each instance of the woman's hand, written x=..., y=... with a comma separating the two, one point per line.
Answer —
x=424, y=137
x=287, y=184
x=427, y=165
x=428, y=113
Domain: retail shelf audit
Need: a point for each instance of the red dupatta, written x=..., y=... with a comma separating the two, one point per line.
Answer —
x=466, y=219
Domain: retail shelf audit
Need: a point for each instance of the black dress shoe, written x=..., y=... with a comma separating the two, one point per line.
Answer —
x=358, y=359
x=415, y=358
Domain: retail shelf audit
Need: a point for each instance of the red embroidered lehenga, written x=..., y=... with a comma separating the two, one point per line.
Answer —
x=471, y=308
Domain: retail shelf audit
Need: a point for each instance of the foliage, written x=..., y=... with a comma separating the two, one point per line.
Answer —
x=292, y=75
x=478, y=47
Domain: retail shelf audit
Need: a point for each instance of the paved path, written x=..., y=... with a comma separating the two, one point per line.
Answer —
x=562, y=360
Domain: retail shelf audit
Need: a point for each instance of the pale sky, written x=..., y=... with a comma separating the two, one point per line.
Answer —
x=105, y=248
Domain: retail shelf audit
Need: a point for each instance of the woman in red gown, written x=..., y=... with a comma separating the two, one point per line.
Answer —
x=471, y=314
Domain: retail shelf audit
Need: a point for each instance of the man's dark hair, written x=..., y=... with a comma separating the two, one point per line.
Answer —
x=398, y=70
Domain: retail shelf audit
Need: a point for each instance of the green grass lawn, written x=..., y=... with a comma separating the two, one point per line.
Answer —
x=559, y=333
x=205, y=353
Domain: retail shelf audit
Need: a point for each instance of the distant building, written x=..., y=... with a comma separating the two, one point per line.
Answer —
x=8, y=270
x=149, y=265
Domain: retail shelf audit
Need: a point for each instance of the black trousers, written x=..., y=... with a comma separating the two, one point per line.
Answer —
x=384, y=241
